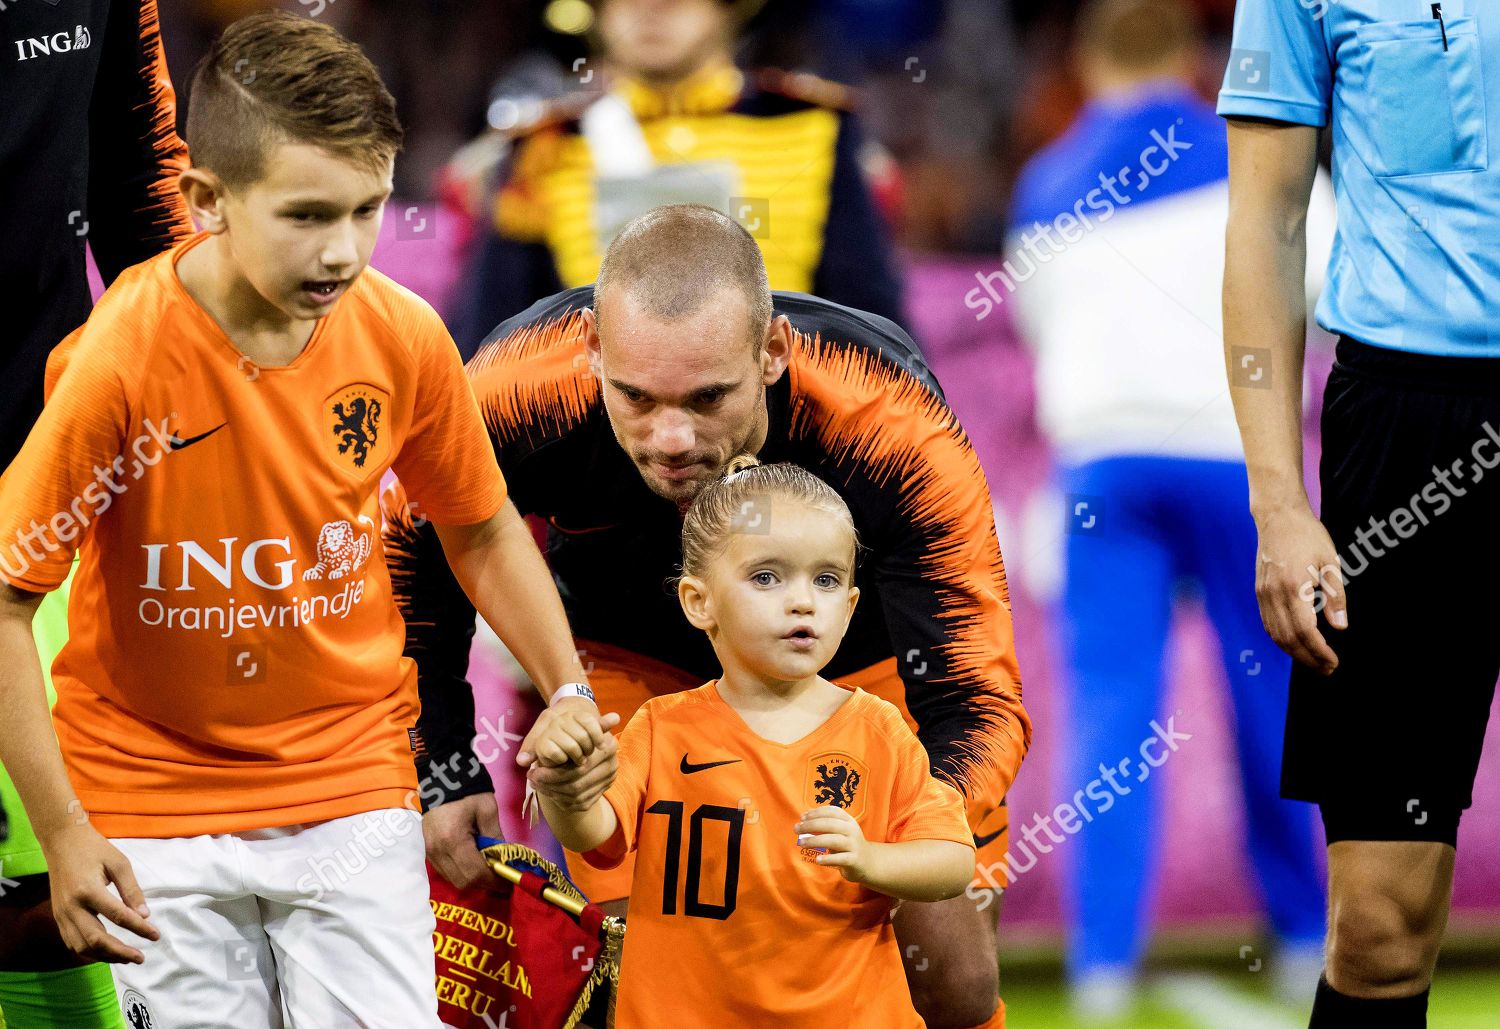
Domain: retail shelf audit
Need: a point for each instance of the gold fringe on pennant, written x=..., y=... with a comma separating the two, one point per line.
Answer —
x=607, y=967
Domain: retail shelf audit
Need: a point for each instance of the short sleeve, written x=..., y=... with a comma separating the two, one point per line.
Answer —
x=627, y=794
x=447, y=464
x=1279, y=65
x=72, y=465
x=925, y=808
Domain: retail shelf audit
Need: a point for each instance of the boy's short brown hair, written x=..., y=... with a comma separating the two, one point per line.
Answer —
x=279, y=78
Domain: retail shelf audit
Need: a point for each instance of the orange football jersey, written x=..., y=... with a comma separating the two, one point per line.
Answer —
x=235, y=657
x=730, y=921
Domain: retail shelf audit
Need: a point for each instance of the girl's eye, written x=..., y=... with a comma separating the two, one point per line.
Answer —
x=827, y=581
x=763, y=578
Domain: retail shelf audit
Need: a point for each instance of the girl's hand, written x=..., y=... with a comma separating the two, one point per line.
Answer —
x=834, y=830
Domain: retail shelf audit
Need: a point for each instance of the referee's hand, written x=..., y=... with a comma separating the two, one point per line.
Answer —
x=1296, y=568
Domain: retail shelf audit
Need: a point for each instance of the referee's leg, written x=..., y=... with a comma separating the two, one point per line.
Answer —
x=1388, y=744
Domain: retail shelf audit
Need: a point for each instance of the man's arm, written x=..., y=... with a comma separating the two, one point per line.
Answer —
x=1271, y=171
x=135, y=155
x=82, y=863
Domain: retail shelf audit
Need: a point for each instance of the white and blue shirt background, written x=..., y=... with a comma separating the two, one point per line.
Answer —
x=1412, y=101
x=1126, y=323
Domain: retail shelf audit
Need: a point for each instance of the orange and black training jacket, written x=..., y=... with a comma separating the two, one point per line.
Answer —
x=859, y=408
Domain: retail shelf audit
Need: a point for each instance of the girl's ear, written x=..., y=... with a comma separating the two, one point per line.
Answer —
x=692, y=594
x=853, y=601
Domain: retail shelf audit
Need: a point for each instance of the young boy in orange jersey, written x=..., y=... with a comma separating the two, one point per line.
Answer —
x=776, y=814
x=235, y=788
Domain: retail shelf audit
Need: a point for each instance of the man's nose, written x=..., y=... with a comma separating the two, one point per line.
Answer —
x=672, y=433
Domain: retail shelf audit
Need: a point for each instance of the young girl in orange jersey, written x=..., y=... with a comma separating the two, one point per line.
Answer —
x=778, y=816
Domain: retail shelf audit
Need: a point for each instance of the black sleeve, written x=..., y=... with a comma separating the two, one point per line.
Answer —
x=135, y=154
x=439, y=634
x=504, y=277
x=855, y=268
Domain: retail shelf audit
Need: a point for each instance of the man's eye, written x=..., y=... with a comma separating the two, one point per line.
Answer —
x=711, y=397
x=367, y=212
x=304, y=216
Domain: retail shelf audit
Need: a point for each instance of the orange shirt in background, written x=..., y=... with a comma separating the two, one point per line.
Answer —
x=731, y=922
x=235, y=657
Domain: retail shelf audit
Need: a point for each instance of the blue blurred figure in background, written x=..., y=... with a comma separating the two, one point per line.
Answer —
x=1117, y=285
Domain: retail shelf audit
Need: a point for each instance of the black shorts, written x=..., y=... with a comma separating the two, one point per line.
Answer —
x=1389, y=744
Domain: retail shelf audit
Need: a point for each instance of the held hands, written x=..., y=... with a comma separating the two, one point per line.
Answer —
x=1296, y=559
x=833, y=829
x=82, y=865
x=569, y=753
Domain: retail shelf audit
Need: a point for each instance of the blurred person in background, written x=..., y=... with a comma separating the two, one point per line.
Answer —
x=89, y=156
x=677, y=122
x=1121, y=305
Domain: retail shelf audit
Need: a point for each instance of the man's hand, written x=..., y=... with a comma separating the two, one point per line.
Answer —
x=449, y=830
x=1292, y=541
x=81, y=865
x=565, y=734
x=833, y=829
x=577, y=787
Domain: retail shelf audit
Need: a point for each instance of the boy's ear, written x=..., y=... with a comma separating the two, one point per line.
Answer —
x=204, y=194
x=692, y=594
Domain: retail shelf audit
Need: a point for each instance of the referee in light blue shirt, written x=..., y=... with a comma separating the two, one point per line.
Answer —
x=1396, y=665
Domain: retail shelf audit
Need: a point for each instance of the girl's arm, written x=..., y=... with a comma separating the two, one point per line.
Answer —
x=923, y=870
x=582, y=831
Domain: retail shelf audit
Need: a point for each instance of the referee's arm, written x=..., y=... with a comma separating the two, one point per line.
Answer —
x=1271, y=171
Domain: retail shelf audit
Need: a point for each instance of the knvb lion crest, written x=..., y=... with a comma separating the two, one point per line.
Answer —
x=137, y=1015
x=837, y=780
x=356, y=417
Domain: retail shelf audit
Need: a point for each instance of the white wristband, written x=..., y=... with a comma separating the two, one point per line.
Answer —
x=573, y=689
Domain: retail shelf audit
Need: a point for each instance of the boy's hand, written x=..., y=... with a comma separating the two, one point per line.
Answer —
x=833, y=829
x=82, y=864
x=566, y=734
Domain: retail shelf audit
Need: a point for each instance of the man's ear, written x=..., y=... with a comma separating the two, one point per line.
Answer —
x=692, y=594
x=204, y=194
x=591, y=345
x=776, y=354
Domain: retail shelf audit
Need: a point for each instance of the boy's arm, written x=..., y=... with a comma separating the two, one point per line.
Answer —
x=1271, y=170
x=82, y=864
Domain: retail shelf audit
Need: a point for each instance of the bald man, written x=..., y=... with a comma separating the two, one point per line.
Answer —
x=610, y=407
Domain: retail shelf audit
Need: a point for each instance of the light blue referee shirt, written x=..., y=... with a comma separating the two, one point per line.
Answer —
x=1412, y=89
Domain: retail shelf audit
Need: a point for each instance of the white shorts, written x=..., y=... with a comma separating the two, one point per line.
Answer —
x=320, y=926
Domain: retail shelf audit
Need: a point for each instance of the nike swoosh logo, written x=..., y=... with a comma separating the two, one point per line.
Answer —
x=688, y=768
x=180, y=444
x=578, y=532
x=980, y=842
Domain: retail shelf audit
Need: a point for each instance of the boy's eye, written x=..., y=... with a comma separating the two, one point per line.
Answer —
x=827, y=581
x=763, y=578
